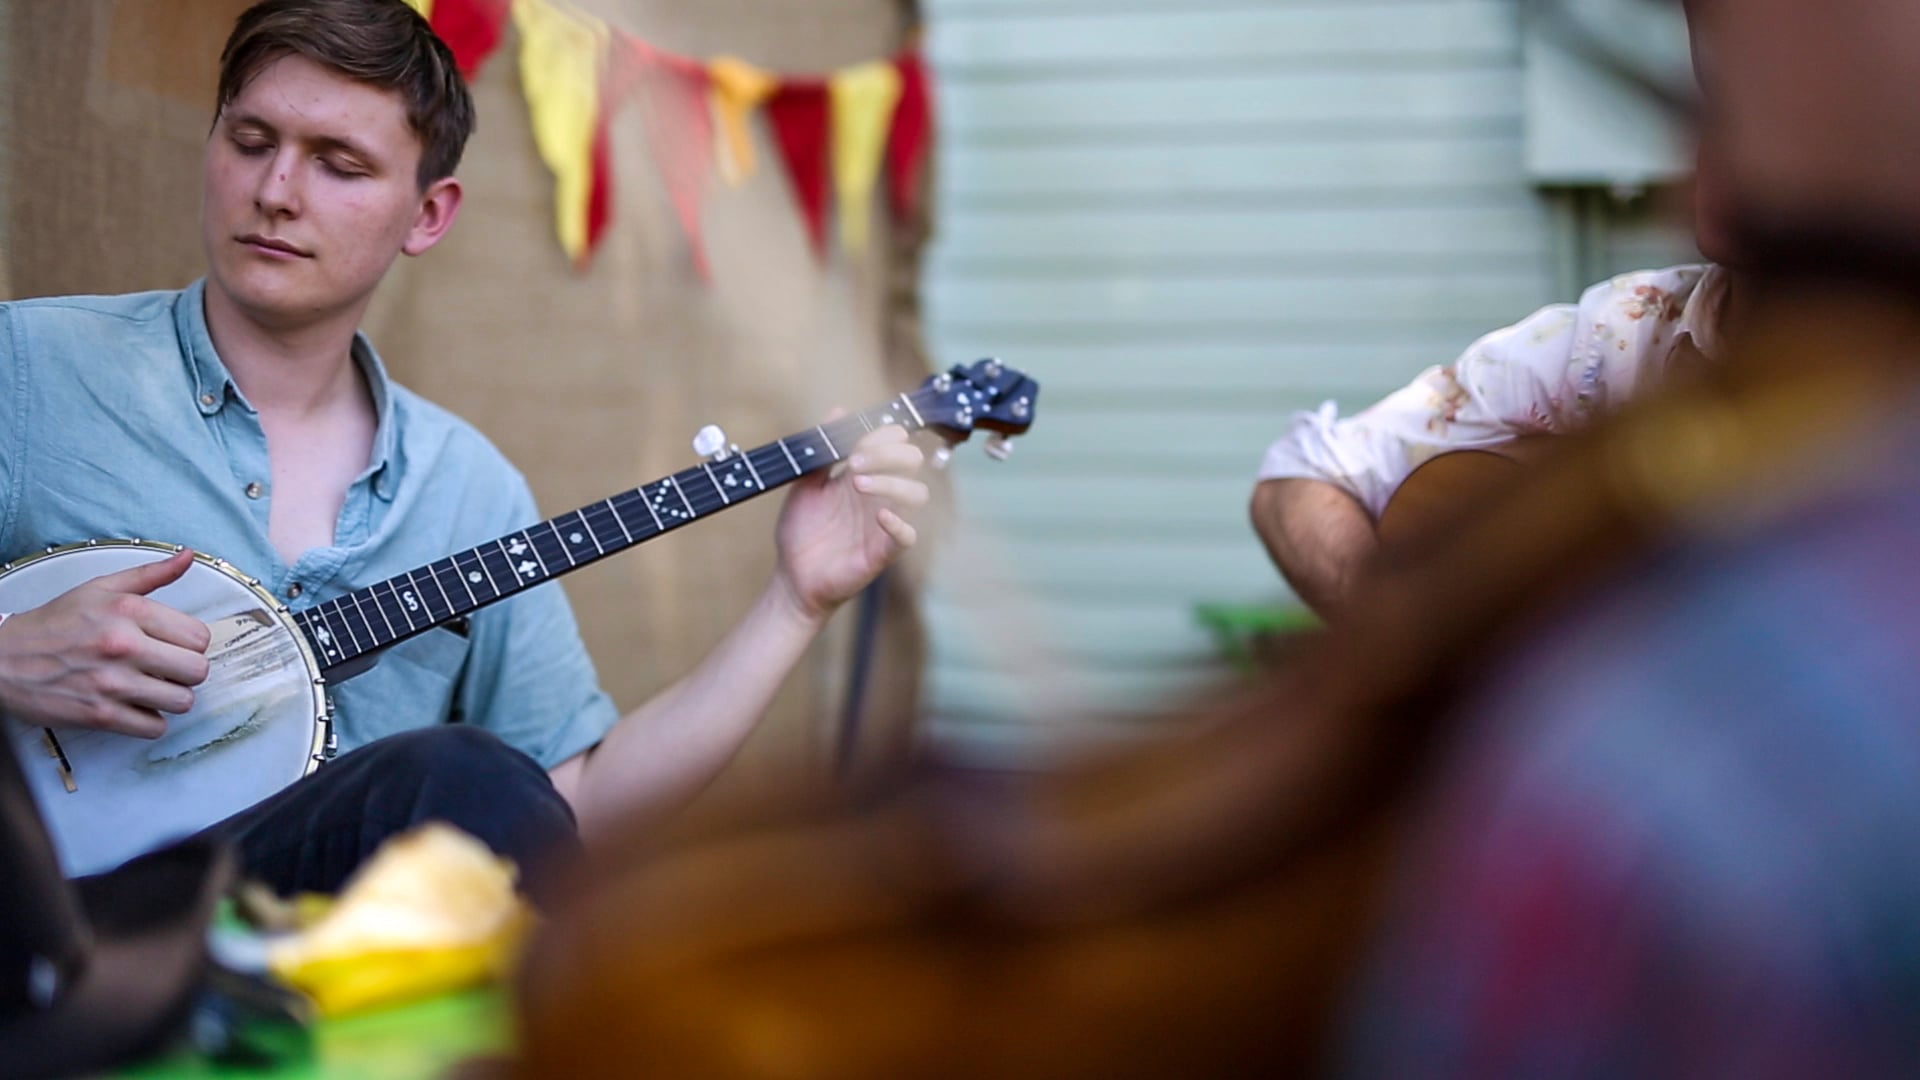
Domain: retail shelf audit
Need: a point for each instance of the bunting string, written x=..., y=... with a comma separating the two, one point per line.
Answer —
x=836, y=135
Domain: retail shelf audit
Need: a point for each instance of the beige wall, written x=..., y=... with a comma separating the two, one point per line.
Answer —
x=592, y=382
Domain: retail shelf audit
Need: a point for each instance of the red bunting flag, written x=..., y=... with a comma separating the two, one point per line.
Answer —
x=798, y=114
x=912, y=126
x=471, y=28
x=622, y=72
x=673, y=94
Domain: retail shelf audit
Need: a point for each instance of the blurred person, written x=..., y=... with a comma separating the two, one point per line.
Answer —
x=1618, y=779
x=1323, y=487
x=247, y=416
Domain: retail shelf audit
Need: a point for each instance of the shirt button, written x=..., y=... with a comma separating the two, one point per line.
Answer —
x=294, y=590
x=208, y=400
x=254, y=490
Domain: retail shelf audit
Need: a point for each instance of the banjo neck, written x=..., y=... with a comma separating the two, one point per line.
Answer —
x=347, y=631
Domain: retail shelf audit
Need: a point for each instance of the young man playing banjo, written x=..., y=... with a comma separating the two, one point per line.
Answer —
x=246, y=417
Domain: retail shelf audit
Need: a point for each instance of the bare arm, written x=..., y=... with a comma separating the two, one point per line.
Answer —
x=1319, y=536
x=835, y=535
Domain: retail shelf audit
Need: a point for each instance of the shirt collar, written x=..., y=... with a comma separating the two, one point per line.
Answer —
x=213, y=385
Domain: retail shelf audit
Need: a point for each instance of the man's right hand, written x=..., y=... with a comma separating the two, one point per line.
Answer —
x=104, y=656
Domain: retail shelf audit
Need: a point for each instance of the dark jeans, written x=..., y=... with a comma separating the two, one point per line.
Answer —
x=311, y=836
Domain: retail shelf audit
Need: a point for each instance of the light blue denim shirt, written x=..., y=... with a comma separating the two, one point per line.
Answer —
x=117, y=419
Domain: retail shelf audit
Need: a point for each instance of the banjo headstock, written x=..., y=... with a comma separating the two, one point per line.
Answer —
x=985, y=395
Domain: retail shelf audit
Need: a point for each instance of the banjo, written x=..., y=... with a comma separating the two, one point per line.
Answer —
x=263, y=719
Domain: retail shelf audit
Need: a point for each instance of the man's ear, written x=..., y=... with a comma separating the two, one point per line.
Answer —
x=439, y=205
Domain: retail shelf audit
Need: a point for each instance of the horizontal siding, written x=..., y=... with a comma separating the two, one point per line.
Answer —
x=1189, y=235
x=1204, y=302
x=1234, y=168
x=1210, y=375
x=1188, y=221
x=1033, y=38
x=1133, y=107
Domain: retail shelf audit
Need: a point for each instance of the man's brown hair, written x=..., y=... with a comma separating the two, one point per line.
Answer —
x=383, y=43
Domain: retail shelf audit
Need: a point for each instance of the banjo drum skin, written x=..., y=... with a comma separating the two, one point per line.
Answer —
x=259, y=722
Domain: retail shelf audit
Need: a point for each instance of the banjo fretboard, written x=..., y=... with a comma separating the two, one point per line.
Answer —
x=350, y=627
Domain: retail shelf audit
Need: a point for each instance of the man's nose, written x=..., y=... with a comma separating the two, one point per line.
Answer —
x=279, y=190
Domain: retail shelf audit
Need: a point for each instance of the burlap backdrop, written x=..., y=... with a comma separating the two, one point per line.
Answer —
x=591, y=382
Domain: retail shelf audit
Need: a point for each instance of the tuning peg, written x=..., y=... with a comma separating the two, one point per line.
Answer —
x=998, y=447
x=710, y=442
x=942, y=456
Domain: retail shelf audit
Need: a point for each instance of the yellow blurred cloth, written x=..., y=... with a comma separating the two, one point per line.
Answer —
x=433, y=910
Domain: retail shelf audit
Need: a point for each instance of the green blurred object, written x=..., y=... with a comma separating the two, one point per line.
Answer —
x=421, y=1039
x=1248, y=634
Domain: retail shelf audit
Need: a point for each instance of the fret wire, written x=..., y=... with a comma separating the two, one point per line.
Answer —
x=330, y=644
x=554, y=528
x=782, y=444
x=340, y=608
x=651, y=512
x=823, y=438
x=461, y=575
x=373, y=591
x=704, y=501
x=611, y=508
x=479, y=556
x=769, y=465
x=586, y=524
x=433, y=571
x=617, y=520
x=513, y=571
x=376, y=607
x=408, y=600
x=715, y=481
x=908, y=402
x=526, y=536
x=747, y=459
x=400, y=605
x=426, y=598
x=373, y=632
x=550, y=556
x=681, y=491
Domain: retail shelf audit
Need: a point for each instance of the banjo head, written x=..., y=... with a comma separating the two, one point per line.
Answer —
x=259, y=721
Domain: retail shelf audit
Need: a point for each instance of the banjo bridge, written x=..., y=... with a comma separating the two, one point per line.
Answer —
x=59, y=756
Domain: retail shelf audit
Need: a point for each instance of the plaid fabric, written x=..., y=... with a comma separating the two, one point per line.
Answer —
x=1682, y=836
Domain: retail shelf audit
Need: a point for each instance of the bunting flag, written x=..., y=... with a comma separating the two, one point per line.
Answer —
x=863, y=99
x=576, y=72
x=738, y=89
x=471, y=28
x=674, y=95
x=797, y=112
x=907, y=143
x=561, y=75
x=621, y=74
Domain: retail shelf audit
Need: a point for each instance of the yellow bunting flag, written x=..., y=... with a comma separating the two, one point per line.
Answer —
x=863, y=100
x=424, y=7
x=561, y=52
x=738, y=89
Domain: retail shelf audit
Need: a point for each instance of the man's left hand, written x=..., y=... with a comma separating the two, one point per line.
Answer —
x=839, y=529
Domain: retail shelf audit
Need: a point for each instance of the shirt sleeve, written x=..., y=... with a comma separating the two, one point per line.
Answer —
x=13, y=424
x=528, y=677
x=1548, y=373
x=1511, y=382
